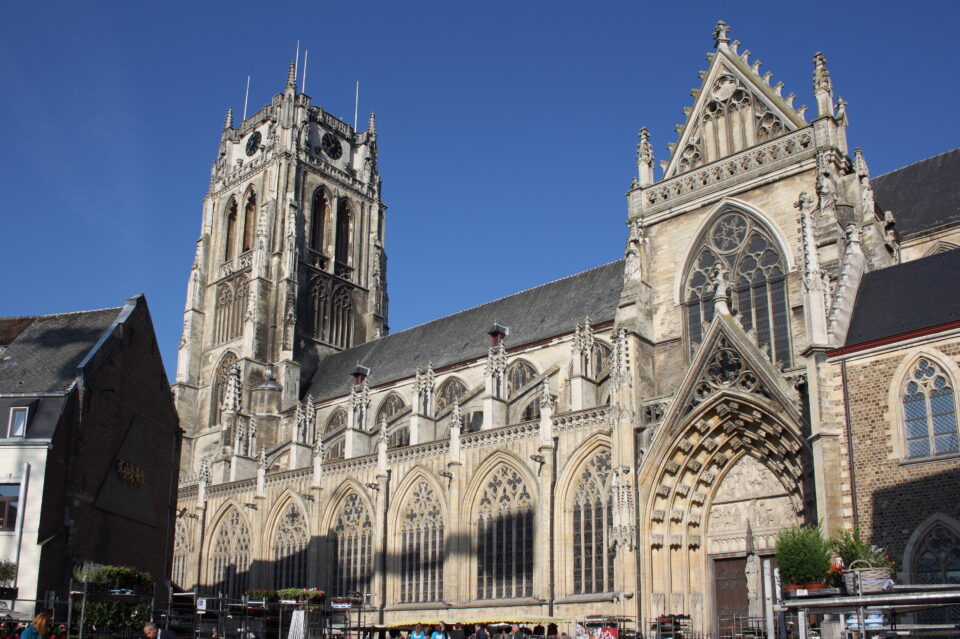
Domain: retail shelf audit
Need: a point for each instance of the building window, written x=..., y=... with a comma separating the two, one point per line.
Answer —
x=17, y=427
x=937, y=561
x=353, y=532
x=929, y=411
x=220, y=380
x=249, y=222
x=231, y=234
x=519, y=374
x=230, y=560
x=341, y=315
x=505, y=537
x=756, y=272
x=344, y=223
x=290, y=550
x=333, y=438
x=421, y=547
x=450, y=390
x=233, y=297
x=319, y=215
x=181, y=550
x=531, y=410
x=9, y=505
x=592, y=519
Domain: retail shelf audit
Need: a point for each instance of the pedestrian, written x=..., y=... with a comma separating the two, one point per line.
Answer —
x=481, y=632
x=440, y=632
x=36, y=629
x=152, y=631
x=457, y=632
x=514, y=632
x=417, y=633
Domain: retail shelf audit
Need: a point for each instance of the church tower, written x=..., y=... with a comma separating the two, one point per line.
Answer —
x=289, y=267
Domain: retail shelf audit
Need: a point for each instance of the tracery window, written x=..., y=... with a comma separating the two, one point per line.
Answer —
x=390, y=408
x=224, y=307
x=937, y=561
x=181, y=549
x=320, y=305
x=592, y=520
x=450, y=390
x=531, y=410
x=341, y=313
x=249, y=222
x=230, y=559
x=519, y=374
x=290, y=549
x=319, y=212
x=505, y=537
x=333, y=439
x=344, y=219
x=421, y=547
x=231, y=234
x=757, y=275
x=353, y=531
x=233, y=296
x=929, y=411
x=220, y=386
x=600, y=359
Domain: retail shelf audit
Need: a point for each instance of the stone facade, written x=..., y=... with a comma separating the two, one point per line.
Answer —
x=603, y=453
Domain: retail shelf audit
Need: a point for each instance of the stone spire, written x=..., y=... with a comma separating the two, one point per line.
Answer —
x=231, y=395
x=292, y=76
x=860, y=164
x=372, y=124
x=822, y=86
x=228, y=121
x=645, y=158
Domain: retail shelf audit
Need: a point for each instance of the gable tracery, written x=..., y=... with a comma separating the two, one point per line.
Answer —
x=725, y=369
x=421, y=545
x=739, y=248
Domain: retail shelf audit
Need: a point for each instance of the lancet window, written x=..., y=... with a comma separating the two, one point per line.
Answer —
x=937, y=561
x=230, y=236
x=592, y=520
x=318, y=219
x=333, y=438
x=421, y=547
x=519, y=374
x=233, y=296
x=504, y=537
x=390, y=409
x=249, y=222
x=181, y=550
x=929, y=411
x=230, y=559
x=290, y=543
x=220, y=387
x=320, y=307
x=450, y=390
x=739, y=249
x=353, y=532
x=344, y=223
x=341, y=318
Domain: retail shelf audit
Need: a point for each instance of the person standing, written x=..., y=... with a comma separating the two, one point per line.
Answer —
x=457, y=632
x=152, y=631
x=481, y=632
x=417, y=632
x=36, y=629
x=440, y=632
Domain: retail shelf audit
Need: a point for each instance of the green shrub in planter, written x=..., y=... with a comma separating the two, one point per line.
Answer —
x=803, y=556
x=8, y=572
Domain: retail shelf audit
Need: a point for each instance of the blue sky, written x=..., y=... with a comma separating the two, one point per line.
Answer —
x=507, y=130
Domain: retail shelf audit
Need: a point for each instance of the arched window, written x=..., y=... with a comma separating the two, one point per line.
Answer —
x=222, y=320
x=592, y=519
x=344, y=219
x=937, y=561
x=249, y=221
x=241, y=298
x=181, y=550
x=757, y=273
x=320, y=306
x=600, y=359
x=389, y=408
x=231, y=234
x=929, y=411
x=531, y=410
x=353, y=532
x=421, y=547
x=504, y=537
x=450, y=390
x=519, y=374
x=319, y=216
x=230, y=559
x=290, y=549
x=220, y=386
x=341, y=315
x=333, y=439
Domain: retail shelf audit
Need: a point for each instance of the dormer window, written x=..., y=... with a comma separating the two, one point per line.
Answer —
x=17, y=426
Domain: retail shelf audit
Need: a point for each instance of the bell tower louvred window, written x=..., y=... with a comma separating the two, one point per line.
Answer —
x=230, y=237
x=318, y=219
x=249, y=222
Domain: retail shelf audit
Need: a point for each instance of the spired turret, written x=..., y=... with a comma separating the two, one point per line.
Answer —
x=290, y=266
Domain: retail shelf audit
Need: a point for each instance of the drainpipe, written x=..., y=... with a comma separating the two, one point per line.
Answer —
x=24, y=482
x=849, y=429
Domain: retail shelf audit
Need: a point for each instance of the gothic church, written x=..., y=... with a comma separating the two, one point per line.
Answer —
x=627, y=440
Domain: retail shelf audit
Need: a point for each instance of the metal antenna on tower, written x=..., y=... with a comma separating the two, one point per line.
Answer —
x=356, y=105
x=246, y=96
x=303, y=85
x=296, y=62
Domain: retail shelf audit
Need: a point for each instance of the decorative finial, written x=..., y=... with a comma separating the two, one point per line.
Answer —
x=292, y=76
x=228, y=121
x=372, y=124
x=645, y=158
x=262, y=460
x=720, y=34
x=822, y=86
x=860, y=164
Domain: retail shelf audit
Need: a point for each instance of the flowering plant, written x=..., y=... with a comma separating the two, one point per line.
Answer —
x=851, y=547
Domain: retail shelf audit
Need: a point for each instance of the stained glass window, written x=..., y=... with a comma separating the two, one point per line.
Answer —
x=505, y=537
x=592, y=519
x=290, y=549
x=937, y=561
x=451, y=389
x=230, y=560
x=519, y=374
x=353, y=532
x=421, y=547
x=929, y=411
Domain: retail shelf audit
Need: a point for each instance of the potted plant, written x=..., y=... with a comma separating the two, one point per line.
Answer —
x=8, y=573
x=866, y=567
x=803, y=557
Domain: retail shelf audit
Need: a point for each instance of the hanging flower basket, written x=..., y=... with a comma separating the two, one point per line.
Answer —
x=871, y=579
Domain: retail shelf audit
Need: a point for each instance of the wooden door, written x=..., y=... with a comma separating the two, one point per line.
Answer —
x=730, y=591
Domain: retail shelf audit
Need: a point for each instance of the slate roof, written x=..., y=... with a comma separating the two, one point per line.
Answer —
x=923, y=196
x=538, y=313
x=907, y=297
x=43, y=356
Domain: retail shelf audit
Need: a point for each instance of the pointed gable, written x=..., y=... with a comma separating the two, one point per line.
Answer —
x=734, y=109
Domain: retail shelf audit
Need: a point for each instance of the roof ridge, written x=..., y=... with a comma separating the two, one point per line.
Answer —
x=497, y=299
x=907, y=166
x=92, y=310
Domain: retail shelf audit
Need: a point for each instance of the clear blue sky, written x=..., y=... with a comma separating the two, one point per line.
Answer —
x=507, y=129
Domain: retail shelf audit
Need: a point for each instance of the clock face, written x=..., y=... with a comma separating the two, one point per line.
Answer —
x=331, y=146
x=253, y=144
